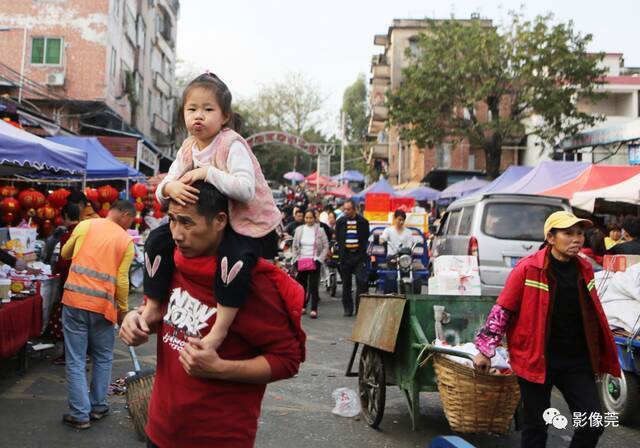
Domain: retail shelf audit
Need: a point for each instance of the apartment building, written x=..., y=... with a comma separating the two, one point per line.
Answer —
x=99, y=67
x=404, y=162
x=613, y=141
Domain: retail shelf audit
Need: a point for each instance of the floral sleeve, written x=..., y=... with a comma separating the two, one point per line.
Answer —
x=494, y=329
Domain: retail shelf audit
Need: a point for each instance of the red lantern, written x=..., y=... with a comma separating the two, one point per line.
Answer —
x=106, y=206
x=58, y=198
x=91, y=194
x=4, y=191
x=107, y=193
x=139, y=205
x=13, y=191
x=139, y=190
x=31, y=198
x=158, y=214
x=103, y=212
x=58, y=221
x=47, y=212
x=8, y=218
x=46, y=228
x=9, y=205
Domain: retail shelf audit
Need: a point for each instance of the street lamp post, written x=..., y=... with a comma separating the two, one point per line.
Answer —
x=24, y=54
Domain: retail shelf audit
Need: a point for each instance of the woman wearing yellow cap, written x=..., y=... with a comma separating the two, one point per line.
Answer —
x=557, y=332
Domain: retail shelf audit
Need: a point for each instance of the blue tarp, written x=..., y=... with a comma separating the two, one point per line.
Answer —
x=463, y=187
x=511, y=175
x=546, y=175
x=349, y=176
x=382, y=186
x=420, y=194
x=101, y=164
x=18, y=147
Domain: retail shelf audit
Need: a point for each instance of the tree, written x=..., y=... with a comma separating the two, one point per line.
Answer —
x=291, y=105
x=355, y=107
x=356, y=111
x=530, y=68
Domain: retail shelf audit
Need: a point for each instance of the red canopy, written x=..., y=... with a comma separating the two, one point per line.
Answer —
x=342, y=192
x=312, y=180
x=594, y=177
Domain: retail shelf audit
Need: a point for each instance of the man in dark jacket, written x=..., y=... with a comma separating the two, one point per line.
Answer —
x=352, y=235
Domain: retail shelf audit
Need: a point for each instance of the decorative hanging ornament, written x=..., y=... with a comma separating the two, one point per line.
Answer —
x=58, y=198
x=92, y=194
x=10, y=205
x=139, y=190
x=31, y=198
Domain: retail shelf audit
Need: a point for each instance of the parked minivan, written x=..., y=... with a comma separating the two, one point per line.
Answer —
x=499, y=229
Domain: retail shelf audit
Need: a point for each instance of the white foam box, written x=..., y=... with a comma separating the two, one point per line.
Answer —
x=455, y=284
x=455, y=263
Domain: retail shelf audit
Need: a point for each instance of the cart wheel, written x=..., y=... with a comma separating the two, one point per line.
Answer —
x=620, y=395
x=372, y=385
x=333, y=284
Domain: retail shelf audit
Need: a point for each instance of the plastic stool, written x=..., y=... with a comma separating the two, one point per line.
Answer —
x=449, y=442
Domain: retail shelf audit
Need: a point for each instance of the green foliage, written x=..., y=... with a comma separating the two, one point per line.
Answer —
x=355, y=106
x=291, y=105
x=461, y=70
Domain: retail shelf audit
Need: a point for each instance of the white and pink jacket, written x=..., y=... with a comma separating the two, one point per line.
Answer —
x=235, y=171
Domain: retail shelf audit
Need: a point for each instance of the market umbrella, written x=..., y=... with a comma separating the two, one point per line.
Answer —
x=420, y=194
x=294, y=176
x=382, y=186
x=313, y=180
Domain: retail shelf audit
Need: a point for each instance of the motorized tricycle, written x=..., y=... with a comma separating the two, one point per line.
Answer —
x=403, y=273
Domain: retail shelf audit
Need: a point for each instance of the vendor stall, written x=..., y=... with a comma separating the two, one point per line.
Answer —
x=19, y=321
x=22, y=152
x=627, y=192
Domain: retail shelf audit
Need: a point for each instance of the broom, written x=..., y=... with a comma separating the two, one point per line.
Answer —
x=138, y=390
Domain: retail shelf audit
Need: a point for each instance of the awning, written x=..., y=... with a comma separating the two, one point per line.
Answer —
x=20, y=148
x=101, y=164
x=627, y=191
x=420, y=194
x=349, y=176
x=594, y=177
x=463, y=187
x=546, y=175
x=342, y=192
x=602, y=136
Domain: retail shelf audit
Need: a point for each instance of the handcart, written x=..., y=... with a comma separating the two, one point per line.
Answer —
x=396, y=335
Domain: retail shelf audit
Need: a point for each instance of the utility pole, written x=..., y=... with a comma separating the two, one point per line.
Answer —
x=342, y=141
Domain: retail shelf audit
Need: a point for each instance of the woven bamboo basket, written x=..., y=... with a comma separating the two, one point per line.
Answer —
x=475, y=402
x=139, y=387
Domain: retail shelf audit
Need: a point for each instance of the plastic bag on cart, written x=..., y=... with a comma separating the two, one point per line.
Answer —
x=347, y=403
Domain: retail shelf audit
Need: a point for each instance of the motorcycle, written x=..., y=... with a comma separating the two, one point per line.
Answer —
x=332, y=265
x=285, y=255
x=406, y=282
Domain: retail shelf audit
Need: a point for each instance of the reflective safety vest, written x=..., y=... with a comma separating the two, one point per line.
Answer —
x=93, y=275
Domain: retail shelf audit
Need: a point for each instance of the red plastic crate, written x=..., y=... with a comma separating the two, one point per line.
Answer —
x=377, y=202
x=405, y=204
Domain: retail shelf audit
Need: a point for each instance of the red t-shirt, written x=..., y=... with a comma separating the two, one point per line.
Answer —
x=186, y=411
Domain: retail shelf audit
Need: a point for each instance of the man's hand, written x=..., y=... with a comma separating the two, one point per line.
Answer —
x=134, y=329
x=21, y=265
x=196, y=174
x=181, y=193
x=202, y=362
x=482, y=363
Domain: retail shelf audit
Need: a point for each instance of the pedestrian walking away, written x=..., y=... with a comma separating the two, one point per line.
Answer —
x=352, y=235
x=95, y=298
x=214, y=152
x=203, y=396
x=556, y=330
x=310, y=248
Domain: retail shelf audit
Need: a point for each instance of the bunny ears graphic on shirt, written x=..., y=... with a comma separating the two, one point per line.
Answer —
x=228, y=276
x=151, y=270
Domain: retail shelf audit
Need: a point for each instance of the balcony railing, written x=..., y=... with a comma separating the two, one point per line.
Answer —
x=162, y=85
x=380, y=113
x=381, y=71
x=380, y=151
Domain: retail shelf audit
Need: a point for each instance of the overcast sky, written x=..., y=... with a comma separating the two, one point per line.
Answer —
x=252, y=42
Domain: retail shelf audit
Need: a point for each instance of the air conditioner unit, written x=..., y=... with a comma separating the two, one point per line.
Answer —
x=55, y=79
